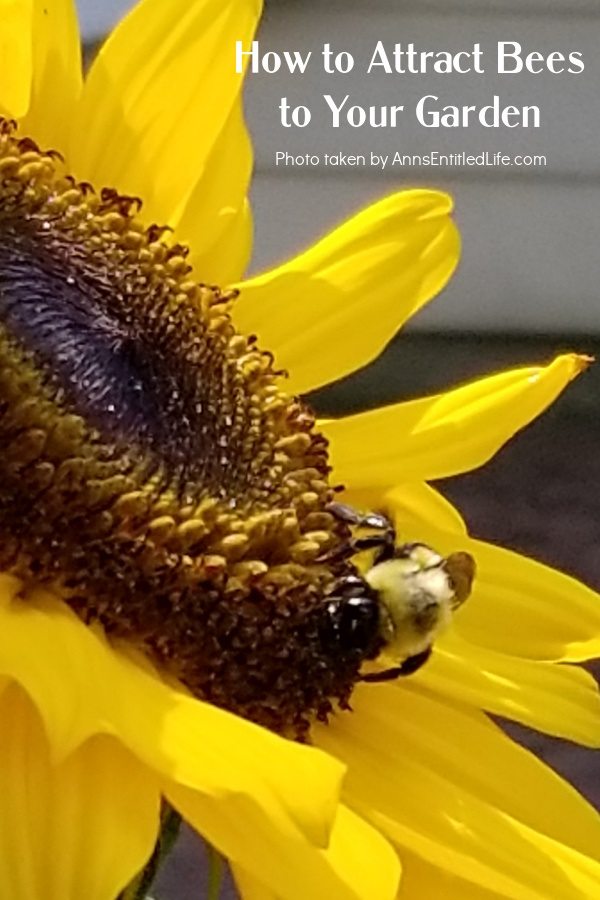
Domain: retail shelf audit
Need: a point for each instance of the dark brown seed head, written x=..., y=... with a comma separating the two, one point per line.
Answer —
x=152, y=467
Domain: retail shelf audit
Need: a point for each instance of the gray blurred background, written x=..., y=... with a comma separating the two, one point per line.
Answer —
x=529, y=281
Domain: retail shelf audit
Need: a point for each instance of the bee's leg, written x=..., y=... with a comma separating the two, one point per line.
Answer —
x=383, y=541
x=362, y=520
x=410, y=665
x=350, y=547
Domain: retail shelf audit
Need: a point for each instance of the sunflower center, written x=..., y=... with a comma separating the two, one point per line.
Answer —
x=153, y=468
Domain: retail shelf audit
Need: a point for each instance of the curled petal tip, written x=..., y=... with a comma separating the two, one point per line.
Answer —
x=433, y=203
x=444, y=202
x=582, y=361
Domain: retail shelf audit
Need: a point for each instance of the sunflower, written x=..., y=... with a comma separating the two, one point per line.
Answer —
x=162, y=490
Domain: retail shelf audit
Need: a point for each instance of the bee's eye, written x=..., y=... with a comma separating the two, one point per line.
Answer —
x=355, y=624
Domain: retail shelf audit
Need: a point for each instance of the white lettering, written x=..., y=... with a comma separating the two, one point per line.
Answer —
x=491, y=116
x=270, y=61
x=379, y=58
x=357, y=116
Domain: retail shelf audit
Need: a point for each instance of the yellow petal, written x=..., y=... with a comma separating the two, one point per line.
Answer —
x=518, y=606
x=56, y=73
x=155, y=105
x=79, y=829
x=528, y=609
x=216, y=223
x=332, y=309
x=560, y=700
x=422, y=881
x=251, y=888
x=445, y=434
x=16, y=67
x=82, y=686
x=444, y=782
x=359, y=864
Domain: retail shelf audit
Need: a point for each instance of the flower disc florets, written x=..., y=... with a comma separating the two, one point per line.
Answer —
x=153, y=469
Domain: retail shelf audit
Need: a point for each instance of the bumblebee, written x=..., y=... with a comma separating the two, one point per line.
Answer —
x=404, y=600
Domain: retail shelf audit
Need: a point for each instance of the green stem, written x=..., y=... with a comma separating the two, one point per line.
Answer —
x=169, y=829
x=215, y=873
